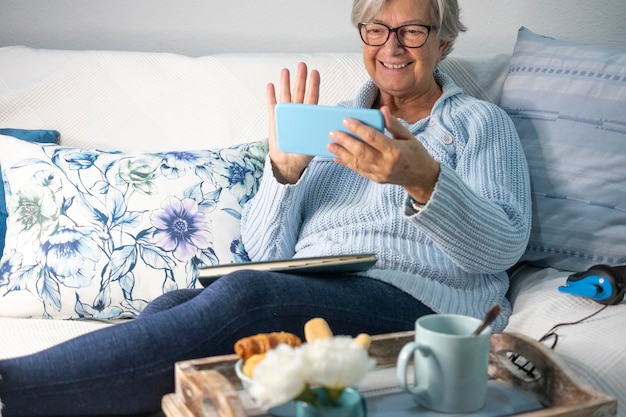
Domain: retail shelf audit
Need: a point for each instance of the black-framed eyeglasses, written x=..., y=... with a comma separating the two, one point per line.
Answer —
x=409, y=36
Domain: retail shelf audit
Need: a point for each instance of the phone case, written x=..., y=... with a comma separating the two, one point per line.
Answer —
x=304, y=128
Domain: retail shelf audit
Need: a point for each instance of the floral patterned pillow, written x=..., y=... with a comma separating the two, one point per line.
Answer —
x=95, y=234
x=40, y=136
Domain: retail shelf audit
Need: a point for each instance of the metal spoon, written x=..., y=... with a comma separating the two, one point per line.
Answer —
x=491, y=315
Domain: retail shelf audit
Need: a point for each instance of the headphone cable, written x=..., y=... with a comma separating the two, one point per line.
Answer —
x=552, y=332
x=528, y=367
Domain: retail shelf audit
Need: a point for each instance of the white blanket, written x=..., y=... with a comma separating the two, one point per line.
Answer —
x=594, y=348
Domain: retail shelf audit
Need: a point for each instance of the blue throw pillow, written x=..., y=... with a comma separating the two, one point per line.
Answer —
x=42, y=136
x=568, y=103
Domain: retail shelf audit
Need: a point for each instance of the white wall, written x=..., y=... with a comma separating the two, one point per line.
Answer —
x=200, y=27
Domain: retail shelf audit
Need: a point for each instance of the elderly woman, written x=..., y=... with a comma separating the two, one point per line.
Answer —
x=442, y=198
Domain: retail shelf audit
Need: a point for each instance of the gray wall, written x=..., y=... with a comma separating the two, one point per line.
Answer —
x=200, y=27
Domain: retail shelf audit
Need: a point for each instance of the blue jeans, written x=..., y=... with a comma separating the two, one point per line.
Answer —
x=126, y=369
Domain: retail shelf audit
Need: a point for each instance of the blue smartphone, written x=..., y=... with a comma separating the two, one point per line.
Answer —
x=304, y=128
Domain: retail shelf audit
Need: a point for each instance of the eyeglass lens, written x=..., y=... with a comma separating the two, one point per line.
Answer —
x=376, y=34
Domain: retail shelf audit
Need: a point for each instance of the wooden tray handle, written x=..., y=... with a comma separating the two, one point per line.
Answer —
x=557, y=387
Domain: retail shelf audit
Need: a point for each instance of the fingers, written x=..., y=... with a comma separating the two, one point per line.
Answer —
x=348, y=148
x=287, y=167
x=371, y=136
x=271, y=104
x=271, y=96
x=301, y=93
x=375, y=155
x=397, y=129
x=313, y=91
x=285, y=86
x=299, y=88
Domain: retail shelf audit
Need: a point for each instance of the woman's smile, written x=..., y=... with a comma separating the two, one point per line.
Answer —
x=395, y=66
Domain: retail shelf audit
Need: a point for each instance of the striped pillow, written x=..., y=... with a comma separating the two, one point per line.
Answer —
x=568, y=103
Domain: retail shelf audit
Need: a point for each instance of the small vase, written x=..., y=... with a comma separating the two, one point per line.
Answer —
x=350, y=404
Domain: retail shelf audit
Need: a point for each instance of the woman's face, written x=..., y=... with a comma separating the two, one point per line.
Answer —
x=396, y=70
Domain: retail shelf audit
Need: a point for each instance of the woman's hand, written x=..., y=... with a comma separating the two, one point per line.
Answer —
x=289, y=167
x=402, y=160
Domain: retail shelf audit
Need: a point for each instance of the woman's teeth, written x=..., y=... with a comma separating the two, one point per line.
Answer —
x=394, y=66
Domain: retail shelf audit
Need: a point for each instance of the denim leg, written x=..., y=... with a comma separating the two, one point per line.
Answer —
x=169, y=300
x=126, y=369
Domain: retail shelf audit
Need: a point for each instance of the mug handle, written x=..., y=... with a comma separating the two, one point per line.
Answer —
x=402, y=367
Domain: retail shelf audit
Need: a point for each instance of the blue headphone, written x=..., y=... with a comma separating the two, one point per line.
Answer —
x=602, y=283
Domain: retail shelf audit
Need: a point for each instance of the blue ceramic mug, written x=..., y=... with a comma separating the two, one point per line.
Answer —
x=450, y=366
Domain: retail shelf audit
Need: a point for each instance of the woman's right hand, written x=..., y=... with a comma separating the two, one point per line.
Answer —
x=288, y=167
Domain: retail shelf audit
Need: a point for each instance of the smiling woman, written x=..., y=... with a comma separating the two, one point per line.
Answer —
x=441, y=198
x=445, y=18
x=412, y=48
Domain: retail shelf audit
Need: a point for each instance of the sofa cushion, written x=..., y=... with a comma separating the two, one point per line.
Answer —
x=567, y=101
x=114, y=100
x=41, y=136
x=99, y=234
x=144, y=101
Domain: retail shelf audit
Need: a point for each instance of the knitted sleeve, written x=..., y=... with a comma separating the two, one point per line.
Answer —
x=271, y=220
x=480, y=212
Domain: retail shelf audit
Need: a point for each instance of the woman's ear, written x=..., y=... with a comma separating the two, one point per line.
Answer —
x=443, y=47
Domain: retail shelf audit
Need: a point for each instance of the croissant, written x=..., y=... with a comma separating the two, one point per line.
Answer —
x=262, y=342
x=250, y=364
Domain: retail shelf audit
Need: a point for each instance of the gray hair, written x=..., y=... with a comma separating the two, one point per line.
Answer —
x=445, y=14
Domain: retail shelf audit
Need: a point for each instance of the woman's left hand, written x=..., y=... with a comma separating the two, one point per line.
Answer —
x=402, y=160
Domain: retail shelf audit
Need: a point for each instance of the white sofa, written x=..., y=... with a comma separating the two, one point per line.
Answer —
x=150, y=102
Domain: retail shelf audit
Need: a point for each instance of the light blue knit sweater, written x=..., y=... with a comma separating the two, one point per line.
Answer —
x=453, y=254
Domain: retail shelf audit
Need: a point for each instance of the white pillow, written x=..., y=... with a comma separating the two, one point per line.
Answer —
x=100, y=234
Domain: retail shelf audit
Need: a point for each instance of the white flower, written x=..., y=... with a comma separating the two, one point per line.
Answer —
x=336, y=363
x=279, y=377
x=287, y=373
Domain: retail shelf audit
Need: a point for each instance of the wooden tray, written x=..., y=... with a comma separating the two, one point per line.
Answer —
x=208, y=387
